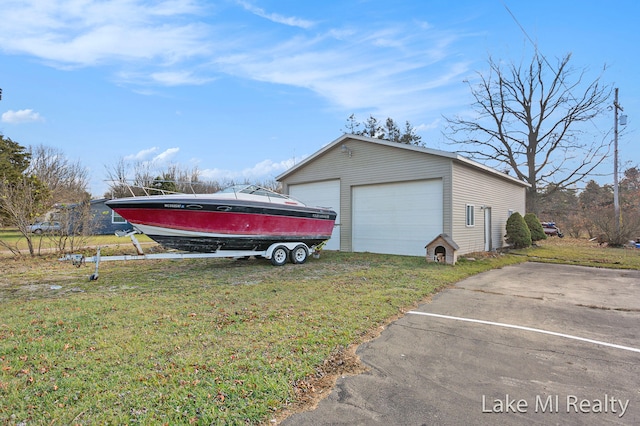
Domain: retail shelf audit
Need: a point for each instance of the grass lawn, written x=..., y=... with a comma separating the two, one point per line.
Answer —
x=47, y=243
x=574, y=251
x=208, y=341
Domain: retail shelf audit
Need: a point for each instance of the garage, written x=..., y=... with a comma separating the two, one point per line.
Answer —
x=397, y=218
x=322, y=194
x=395, y=198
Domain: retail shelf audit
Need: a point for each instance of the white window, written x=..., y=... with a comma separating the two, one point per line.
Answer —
x=116, y=218
x=471, y=216
x=509, y=213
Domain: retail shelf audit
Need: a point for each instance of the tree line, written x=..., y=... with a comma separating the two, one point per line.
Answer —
x=389, y=130
x=589, y=212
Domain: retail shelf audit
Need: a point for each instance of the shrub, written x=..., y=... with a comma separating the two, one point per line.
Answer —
x=535, y=227
x=518, y=234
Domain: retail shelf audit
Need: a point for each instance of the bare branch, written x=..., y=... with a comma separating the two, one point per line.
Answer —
x=530, y=122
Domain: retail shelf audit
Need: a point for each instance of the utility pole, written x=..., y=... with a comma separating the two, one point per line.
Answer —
x=616, y=202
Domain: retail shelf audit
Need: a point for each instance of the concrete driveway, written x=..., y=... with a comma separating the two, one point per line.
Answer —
x=526, y=344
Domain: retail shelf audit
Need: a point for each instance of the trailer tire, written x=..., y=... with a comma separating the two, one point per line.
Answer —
x=279, y=256
x=299, y=254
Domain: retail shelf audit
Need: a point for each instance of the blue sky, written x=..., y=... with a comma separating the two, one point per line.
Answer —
x=242, y=89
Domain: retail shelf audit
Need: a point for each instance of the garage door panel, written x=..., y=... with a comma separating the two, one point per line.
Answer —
x=322, y=194
x=397, y=218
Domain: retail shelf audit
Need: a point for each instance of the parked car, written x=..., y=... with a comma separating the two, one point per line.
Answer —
x=551, y=229
x=45, y=227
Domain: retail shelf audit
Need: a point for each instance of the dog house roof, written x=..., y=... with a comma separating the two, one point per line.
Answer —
x=444, y=238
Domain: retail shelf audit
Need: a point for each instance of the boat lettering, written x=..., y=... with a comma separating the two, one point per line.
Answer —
x=173, y=206
x=321, y=216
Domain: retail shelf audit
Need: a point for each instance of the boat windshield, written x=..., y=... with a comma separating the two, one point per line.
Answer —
x=253, y=190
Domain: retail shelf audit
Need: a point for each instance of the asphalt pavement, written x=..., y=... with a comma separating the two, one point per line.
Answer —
x=526, y=344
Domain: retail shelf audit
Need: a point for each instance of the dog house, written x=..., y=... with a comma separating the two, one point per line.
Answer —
x=442, y=249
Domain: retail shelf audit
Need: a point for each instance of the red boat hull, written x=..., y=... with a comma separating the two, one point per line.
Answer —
x=229, y=222
x=225, y=225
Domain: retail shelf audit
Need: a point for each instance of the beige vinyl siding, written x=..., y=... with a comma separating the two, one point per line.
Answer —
x=480, y=189
x=371, y=163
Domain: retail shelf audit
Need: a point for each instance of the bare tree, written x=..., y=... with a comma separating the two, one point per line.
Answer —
x=530, y=122
x=67, y=181
x=22, y=201
x=117, y=179
x=77, y=223
x=128, y=179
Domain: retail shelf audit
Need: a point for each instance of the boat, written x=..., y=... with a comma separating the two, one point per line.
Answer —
x=241, y=217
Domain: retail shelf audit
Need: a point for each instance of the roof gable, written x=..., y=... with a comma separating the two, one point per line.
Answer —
x=439, y=153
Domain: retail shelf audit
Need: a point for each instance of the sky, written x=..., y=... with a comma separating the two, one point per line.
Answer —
x=244, y=89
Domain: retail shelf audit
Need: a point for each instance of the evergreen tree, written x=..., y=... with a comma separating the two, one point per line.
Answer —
x=373, y=129
x=389, y=131
x=163, y=184
x=14, y=160
x=535, y=227
x=518, y=234
x=409, y=136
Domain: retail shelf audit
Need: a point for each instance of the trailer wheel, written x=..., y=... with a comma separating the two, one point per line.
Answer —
x=299, y=254
x=279, y=256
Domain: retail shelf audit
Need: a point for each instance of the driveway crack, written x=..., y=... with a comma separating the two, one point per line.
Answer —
x=497, y=293
x=606, y=308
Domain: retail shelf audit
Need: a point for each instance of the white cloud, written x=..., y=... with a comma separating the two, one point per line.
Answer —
x=141, y=155
x=368, y=69
x=21, y=116
x=189, y=42
x=266, y=169
x=178, y=78
x=277, y=18
x=435, y=124
x=165, y=155
x=87, y=33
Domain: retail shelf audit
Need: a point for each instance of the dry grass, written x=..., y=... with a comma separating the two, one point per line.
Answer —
x=45, y=244
x=576, y=251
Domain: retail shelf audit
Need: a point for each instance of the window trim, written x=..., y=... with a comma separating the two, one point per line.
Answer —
x=116, y=218
x=470, y=215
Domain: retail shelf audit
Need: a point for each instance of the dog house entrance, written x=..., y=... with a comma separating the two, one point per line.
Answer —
x=442, y=249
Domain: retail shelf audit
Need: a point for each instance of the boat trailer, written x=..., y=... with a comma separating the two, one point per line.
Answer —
x=277, y=253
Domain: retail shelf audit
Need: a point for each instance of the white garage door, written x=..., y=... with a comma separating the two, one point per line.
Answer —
x=397, y=218
x=322, y=194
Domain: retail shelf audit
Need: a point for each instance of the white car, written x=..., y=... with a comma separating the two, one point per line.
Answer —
x=45, y=227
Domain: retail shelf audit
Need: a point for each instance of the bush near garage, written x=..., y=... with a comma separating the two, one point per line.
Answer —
x=535, y=227
x=518, y=234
